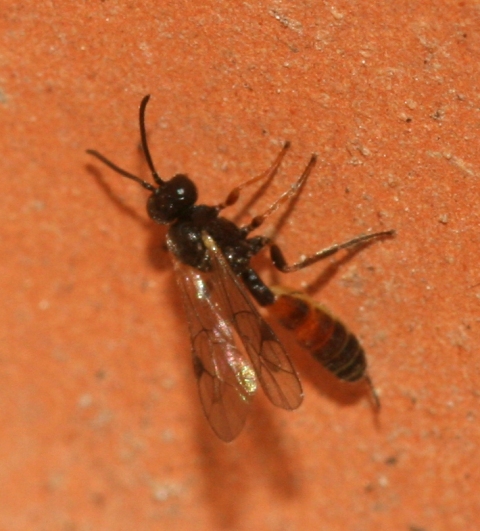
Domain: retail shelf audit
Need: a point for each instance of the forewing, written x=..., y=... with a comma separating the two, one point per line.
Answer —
x=226, y=379
x=269, y=359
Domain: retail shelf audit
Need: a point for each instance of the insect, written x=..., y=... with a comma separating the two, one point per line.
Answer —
x=234, y=350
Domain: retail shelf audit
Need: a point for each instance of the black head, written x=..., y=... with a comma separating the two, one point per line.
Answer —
x=169, y=199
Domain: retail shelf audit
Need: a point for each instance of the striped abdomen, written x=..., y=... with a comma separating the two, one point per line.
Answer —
x=326, y=338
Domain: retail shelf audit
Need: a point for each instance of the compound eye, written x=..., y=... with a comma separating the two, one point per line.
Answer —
x=168, y=202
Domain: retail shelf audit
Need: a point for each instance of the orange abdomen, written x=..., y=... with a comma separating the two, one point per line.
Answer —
x=325, y=337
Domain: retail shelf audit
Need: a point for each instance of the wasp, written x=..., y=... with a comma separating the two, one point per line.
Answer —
x=234, y=350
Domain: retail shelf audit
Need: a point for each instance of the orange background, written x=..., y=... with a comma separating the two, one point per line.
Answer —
x=100, y=423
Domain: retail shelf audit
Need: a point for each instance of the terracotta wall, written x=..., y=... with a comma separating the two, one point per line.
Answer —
x=100, y=422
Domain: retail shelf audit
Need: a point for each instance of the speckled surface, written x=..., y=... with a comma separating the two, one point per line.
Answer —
x=101, y=426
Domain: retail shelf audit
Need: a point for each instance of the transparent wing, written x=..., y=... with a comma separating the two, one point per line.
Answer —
x=270, y=361
x=225, y=376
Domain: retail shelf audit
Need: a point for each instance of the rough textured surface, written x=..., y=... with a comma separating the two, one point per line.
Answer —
x=100, y=422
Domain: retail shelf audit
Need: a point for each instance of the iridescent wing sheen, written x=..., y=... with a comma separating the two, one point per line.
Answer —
x=225, y=377
x=218, y=309
x=271, y=363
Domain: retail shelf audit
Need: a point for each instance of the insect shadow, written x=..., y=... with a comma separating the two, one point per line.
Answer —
x=234, y=350
x=156, y=249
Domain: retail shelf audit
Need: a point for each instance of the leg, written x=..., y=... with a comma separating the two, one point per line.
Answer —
x=294, y=189
x=281, y=264
x=233, y=196
x=373, y=393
